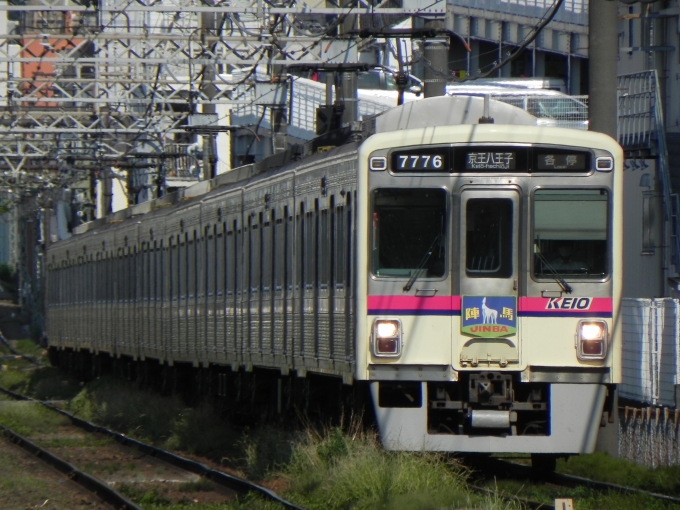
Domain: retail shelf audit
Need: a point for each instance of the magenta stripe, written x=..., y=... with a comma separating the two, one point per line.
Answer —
x=564, y=305
x=576, y=305
x=432, y=303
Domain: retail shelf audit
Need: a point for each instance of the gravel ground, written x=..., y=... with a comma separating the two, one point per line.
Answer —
x=26, y=483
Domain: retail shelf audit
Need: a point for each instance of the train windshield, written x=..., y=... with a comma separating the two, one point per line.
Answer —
x=570, y=233
x=408, y=237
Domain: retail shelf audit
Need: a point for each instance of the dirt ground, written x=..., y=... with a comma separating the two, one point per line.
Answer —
x=26, y=483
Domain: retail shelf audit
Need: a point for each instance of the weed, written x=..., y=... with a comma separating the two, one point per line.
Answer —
x=266, y=449
x=332, y=470
x=28, y=347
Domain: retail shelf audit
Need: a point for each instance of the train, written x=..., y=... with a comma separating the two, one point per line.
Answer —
x=459, y=273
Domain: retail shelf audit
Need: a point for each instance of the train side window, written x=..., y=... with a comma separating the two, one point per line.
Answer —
x=209, y=256
x=229, y=263
x=408, y=232
x=182, y=267
x=191, y=267
x=290, y=250
x=299, y=255
x=310, y=247
x=325, y=256
x=168, y=283
x=220, y=261
x=570, y=233
x=240, y=260
x=267, y=256
x=254, y=257
x=341, y=238
x=155, y=258
x=199, y=264
x=280, y=250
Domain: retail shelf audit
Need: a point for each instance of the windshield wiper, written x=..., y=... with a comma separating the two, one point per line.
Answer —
x=556, y=276
x=421, y=265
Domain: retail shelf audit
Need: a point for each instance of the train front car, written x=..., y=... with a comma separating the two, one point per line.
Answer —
x=489, y=297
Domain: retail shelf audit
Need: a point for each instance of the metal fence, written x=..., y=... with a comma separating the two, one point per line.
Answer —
x=641, y=128
x=555, y=111
x=650, y=436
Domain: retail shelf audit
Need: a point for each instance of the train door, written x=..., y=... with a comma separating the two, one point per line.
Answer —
x=489, y=278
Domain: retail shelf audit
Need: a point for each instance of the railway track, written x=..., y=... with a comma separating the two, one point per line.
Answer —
x=146, y=458
x=498, y=469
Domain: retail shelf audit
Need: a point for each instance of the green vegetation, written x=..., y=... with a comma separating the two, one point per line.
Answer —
x=599, y=466
x=335, y=470
x=28, y=418
x=40, y=381
x=316, y=469
x=583, y=497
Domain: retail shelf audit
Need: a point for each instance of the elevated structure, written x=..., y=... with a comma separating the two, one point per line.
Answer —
x=108, y=90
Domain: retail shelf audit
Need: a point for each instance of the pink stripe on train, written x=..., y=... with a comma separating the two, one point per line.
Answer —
x=565, y=305
x=414, y=304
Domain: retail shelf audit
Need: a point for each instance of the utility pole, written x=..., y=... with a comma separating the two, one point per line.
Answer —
x=602, y=107
x=602, y=61
x=436, y=52
x=208, y=89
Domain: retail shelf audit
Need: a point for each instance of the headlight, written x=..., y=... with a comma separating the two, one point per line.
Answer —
x=591, y=340
x=387, y=338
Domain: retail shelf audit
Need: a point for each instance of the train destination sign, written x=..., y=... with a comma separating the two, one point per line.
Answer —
x=497, y=160
x=490, y=159
x=576, y=162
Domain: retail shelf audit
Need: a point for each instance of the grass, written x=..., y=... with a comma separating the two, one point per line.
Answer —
x=27, y=418
x=85, y=441
x=602, y=467
x=41, y=381
x=319, y=469
x=333, y=470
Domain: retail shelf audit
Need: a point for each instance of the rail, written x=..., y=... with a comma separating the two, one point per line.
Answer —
x=234, y=483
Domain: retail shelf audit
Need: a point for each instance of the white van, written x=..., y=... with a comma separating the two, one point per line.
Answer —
x=557, y=84
x=550, y=107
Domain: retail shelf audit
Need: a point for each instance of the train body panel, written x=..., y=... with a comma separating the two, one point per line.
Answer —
x=469, y=275
x=574, y=427
x=474, y=226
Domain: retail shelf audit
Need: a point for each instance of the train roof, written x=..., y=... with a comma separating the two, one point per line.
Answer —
x=428, y=112
x=448, y=111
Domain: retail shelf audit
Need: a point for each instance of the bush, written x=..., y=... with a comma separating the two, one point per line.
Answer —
x=335, y=470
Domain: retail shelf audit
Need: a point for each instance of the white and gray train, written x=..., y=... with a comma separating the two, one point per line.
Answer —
x=466, y=275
